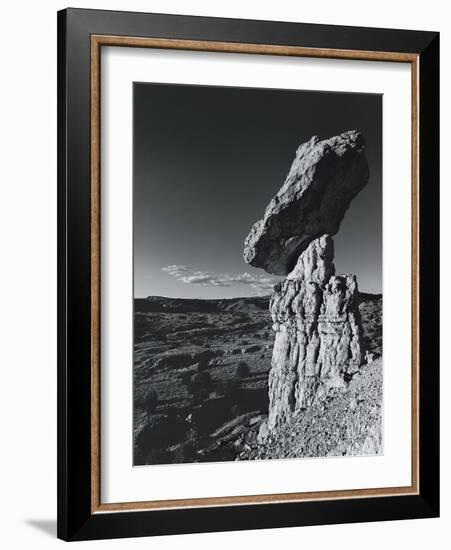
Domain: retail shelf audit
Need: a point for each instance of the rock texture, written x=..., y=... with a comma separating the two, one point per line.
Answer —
x=324, y=178
x=348, y=423
x=319, y=339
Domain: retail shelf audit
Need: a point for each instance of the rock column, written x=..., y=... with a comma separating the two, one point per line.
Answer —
x=318, y=332
x=315, y=313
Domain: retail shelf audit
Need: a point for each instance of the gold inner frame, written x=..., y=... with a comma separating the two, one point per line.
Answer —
x=97, y=41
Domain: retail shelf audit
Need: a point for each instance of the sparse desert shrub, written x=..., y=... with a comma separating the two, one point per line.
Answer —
x=253, y=349
x=201, y=381
x=219, y=387
x=232, y=390
x=242, y=370
x=202, y=365
x=151, y=402
x=185, y=377
x=184, y=452
x=206, y=354
x=174, y=360
x=159, y=432
x=262, y=356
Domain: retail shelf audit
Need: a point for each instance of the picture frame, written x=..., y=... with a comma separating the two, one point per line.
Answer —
x=81, y=36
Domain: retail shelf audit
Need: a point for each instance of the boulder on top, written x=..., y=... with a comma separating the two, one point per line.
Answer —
x=324, y=178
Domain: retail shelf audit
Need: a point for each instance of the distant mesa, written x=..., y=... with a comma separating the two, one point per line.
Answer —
x=162, y=304
x=324, y=178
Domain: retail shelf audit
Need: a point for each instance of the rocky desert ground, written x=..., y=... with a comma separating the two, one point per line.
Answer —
x=201, y=386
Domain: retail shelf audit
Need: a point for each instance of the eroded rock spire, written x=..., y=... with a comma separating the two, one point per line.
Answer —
x=318, y=332
x=315, y=312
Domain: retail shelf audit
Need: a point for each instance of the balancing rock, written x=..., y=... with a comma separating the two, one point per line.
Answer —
x=324, y=178
x=319, y=338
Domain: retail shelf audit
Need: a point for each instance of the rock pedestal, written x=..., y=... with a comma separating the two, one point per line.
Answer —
x=318, y=333
x=315, y=312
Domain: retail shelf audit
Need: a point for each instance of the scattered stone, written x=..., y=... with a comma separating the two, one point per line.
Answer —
x=263, y=433
x=331, y=428
x=255, y=420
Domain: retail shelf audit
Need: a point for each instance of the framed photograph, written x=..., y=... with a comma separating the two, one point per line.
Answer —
x=248, y=274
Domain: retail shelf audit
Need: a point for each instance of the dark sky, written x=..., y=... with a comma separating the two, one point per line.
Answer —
x=207, y=160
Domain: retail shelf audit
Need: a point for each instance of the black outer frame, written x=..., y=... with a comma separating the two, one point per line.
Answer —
x=75, y=520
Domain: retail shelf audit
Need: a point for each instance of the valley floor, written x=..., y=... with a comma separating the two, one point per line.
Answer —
x=201, y=386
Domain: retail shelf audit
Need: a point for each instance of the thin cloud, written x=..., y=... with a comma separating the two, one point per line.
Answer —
x=175, y=270
x=184, y=274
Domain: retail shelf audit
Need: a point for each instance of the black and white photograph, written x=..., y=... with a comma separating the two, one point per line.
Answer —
x=257, y=274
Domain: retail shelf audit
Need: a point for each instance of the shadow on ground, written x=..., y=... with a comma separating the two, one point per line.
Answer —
x=46, y=526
